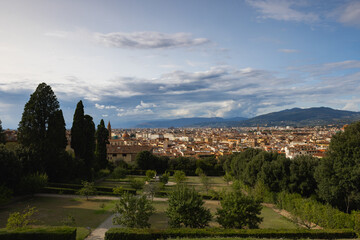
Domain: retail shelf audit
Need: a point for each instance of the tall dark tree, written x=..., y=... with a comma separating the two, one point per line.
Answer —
x=2, y=136
x=338, y=175
x=102, y=138
x=77, y=131
x=57, y=164
x=33, y=127
x=89, y=143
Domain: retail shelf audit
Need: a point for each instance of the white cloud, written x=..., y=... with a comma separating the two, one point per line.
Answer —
x=143, y=105
x=284, y=50
x=350, y=13
x=282, y=10
x=148, y=40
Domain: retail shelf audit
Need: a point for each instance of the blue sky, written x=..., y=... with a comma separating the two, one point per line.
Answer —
x=133, y=61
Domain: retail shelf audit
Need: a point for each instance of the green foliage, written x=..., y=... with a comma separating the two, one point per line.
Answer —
x=42, y=233
x=77, y=131
x=33, y=183
x=102, y=138
x=228, y=178
x=87, y=189
x=68, y=221
x=151, y=189
x=186, y=208
x=119, y=172
x=206, y=182
x=5, y=194
x=150, y=174
x=308, y=210
x=10, y=170
x=2, y=136
x=133, y=211
x=179, y=176
x=137, y=183
x=164, y=178
x=118, y=190
x=153, y=234
x=338, y=174
x=41, y=127
x=239, y=211
x=18, y=220
x=145, y=160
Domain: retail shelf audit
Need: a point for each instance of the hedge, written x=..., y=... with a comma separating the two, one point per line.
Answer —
x=43, y=233
x=58, y=190
x=153, y=234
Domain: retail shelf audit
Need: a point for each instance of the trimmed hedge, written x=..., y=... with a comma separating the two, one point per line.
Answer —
x=43, y=233
x=58, y=190
x=153, y=234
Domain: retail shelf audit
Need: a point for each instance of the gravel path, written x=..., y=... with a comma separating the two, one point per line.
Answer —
x=99, y=232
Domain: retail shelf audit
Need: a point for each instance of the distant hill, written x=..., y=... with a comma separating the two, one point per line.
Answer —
x=190, y=122
x=289, y=117
x=303, y=117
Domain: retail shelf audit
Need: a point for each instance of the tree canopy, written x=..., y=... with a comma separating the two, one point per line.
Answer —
x=102, y=138
x=338, y=174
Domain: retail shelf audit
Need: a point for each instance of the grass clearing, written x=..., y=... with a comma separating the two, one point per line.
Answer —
x=52, y=211
x=270, y=218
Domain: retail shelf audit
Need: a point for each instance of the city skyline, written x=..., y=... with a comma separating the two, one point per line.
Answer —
x=143, y=60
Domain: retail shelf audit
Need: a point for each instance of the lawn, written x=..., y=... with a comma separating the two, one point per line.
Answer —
x=271, y=218
x=53, y=211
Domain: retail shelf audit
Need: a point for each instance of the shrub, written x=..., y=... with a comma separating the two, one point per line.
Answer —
x=118, y=190
x=18, y=220
x=179, y=176
x=150, y=174
x=165, y=178
x=186, y=208
x=133, y=211
x=5, y=194
x=119, y=172
x=137, y=184
x=238, y=211
x=88, y=189
x=33, y=183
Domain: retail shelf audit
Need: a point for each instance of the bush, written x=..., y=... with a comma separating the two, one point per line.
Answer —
x=137, y=184
x=43, y=233
x=133, y=211
x=150, y=174
x=239, y=211
x=18, y=220
x=33, y=183
x=179, y=176
x=5, y=194
x=154, y=234
x=186, y=209
x=119, y=172
x=88, y=189
x=164, y=178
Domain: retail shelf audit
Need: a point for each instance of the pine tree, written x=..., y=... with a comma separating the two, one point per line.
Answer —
x=102, y=138
x=33, y=129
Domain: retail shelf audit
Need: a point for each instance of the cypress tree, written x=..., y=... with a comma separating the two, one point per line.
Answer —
x=2, y=136
x=89, y=143
x=102, y=138
x=77, y=131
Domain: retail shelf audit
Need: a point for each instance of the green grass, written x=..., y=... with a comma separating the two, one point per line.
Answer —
x=52, y=211
x=270, y=218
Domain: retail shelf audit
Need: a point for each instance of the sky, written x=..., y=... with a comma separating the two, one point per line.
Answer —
x=139, y=60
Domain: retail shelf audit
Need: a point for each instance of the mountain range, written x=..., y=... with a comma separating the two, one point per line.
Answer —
x=290, y=117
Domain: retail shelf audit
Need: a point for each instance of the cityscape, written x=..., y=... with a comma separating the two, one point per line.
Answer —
x=181, y=119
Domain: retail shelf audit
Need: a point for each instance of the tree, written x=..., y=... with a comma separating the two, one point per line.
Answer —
x=89, y=134
x=2, y=136
x=33, y=131
x=145, y=160
x=227, y=178
x=87, y=189
x=77, y=131
x=133, y=211
x=179, y=176
x=338, y=174
x=186, y=209
x=206, y=182
x=150, y=174
x=238, y=211
x=102, y=139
